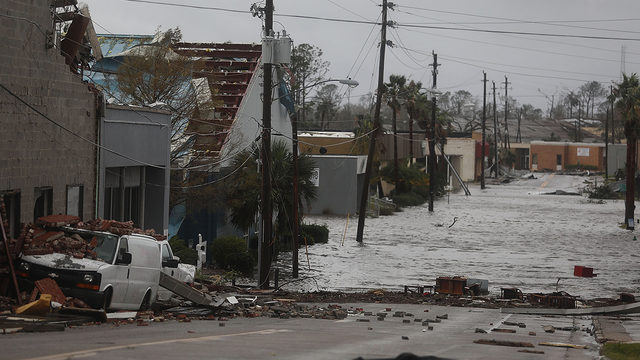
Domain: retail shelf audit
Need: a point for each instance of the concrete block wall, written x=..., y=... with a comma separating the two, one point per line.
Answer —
x=33, y=151
x=547, y=155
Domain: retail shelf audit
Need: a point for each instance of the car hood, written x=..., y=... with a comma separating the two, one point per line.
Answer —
x=63, y=261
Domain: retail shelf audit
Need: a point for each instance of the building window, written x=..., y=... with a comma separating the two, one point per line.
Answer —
x=558, y=159
x=12, y=211
x=74, y=200
x=534, y=159
x=44, y=202
x=122, y=194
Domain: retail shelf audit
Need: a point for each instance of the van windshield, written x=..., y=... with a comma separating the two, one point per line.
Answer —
x=106, y=243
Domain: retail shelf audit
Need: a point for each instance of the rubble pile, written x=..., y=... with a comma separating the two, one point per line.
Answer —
x=116, y=227
x=46, y=237
x=42, y=240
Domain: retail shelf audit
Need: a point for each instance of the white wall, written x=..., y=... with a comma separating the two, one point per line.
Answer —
x=465, y=148
x=247, y=126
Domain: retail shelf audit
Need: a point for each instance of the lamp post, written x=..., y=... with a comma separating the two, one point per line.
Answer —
x=294, y=133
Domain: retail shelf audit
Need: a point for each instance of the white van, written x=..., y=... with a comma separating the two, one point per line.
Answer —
x=125, y=275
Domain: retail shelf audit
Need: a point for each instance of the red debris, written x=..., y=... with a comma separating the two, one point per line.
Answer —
x=49, y=286
x=54, y=221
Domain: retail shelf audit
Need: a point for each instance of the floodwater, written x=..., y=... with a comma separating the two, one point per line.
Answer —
x=510, y=234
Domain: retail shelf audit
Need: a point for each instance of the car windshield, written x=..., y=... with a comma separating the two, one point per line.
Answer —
x=106, y=243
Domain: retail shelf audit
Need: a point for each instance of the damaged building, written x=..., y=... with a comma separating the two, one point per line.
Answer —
x=47, y=113
x=64, y=151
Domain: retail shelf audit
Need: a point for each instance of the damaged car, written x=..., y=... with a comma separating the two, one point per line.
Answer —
x=123, y=274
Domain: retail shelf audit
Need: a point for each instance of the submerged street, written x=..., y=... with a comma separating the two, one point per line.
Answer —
x=510, y=234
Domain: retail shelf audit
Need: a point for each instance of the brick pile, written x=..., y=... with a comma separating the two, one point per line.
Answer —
x=46, y=237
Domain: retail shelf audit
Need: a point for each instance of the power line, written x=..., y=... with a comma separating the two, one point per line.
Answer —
x=516, y=47
x=550, y=23
x=592, y=37
x=352, y=21
x=516, y=66
x=520, y=37
x=73, y=133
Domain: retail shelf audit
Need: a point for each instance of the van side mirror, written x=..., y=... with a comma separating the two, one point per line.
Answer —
x=171, y=263
x=125, y=260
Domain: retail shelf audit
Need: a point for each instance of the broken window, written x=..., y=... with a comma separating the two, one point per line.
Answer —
x=122, y=200
x=44, y=202
x=12, y=206
x=74, y=200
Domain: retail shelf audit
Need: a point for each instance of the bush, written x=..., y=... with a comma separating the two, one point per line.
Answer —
x=230, y=253
x=602, y=192
x=314, y=233
x=411, y=178
x=408, y=199
x=186, y=255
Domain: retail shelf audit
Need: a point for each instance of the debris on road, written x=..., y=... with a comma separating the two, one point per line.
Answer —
x=503, y=343
x=570, y=346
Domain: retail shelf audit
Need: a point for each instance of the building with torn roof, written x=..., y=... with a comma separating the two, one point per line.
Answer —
x=48, y=115
x=227, y=81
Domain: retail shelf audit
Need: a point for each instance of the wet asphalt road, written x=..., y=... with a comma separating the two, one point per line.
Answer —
x=266, y=338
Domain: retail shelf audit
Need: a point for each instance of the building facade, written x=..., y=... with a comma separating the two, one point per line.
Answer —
x=134, y=166
x=556, y=156
x=48, y=120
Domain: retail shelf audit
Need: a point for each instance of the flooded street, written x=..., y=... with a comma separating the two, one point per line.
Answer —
x=510, y=234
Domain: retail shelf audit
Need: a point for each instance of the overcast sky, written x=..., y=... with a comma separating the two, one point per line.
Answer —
x=535, y=65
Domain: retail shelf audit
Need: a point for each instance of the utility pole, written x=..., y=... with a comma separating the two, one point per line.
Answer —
x=294, y=250
x=506, y=113
x=495, y=132
x=432, y=130
x=606, y=145
x=267, y=206
x=613, y=116
x=364, y=196
x=518, y=133
x=484, y=123
x=579, y=131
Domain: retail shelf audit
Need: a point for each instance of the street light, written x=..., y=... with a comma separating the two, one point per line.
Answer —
x=294, y=132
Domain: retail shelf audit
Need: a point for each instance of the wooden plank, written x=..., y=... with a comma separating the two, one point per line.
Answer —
x=503, y=343
x=184, y=290
x=563, y=345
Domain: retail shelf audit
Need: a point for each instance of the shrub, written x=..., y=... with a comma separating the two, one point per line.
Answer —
x=602, y=192
x=411, y=178
x=230, y=253
x=314, y=233
x=408, y=199
x=186, y=255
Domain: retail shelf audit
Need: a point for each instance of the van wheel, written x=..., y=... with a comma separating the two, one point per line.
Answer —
x=107, y=299
x=146, y=302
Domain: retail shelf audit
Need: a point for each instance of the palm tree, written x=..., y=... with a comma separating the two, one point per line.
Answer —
x=412, y=91
x=394, y=92
x=244, y=187
x=628, y=94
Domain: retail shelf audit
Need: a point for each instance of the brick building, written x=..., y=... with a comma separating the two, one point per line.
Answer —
x=548, y=155
x=44, y=169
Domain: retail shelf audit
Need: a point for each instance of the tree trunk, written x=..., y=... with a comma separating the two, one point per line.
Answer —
x=629, y=205
x=395, y=151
